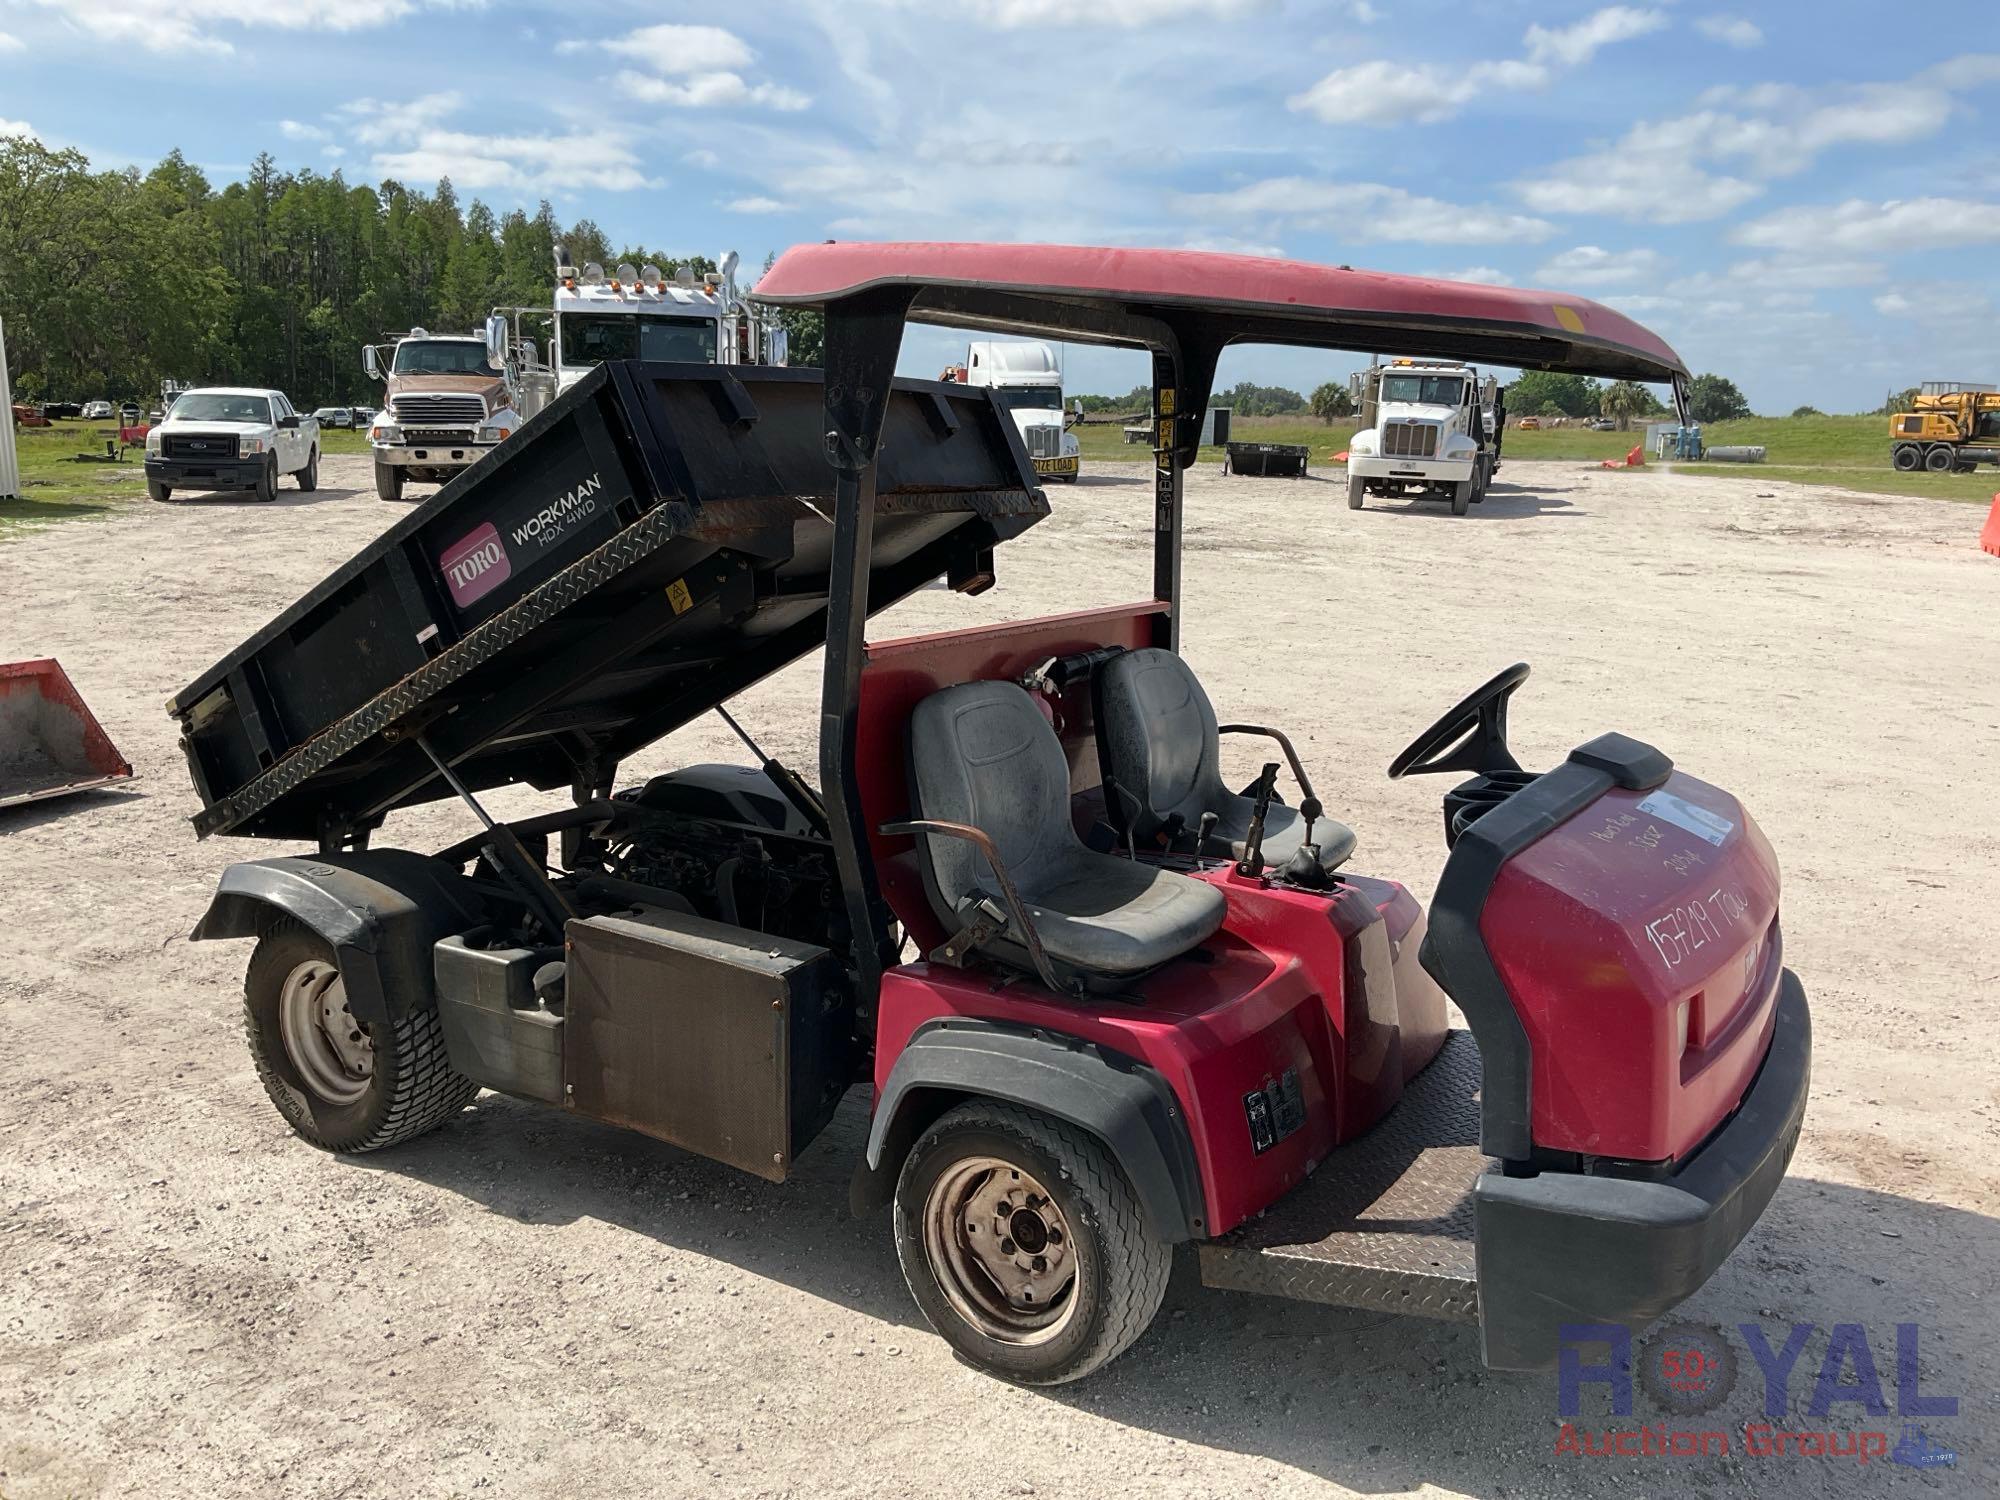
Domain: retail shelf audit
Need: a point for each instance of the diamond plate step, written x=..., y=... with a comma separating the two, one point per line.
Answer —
x=1386, y=1222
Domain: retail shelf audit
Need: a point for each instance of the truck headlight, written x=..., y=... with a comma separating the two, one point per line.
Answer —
x=494, y=434
x=153, y=443
x=386, y=432
x=251, y=445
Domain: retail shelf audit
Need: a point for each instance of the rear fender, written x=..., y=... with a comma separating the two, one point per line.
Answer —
x=381, y=911
x=1122, y=1102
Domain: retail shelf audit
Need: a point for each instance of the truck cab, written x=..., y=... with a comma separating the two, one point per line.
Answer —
x=1432, y=432
x=640, y=313
x=448, y=399
x=1027, y=380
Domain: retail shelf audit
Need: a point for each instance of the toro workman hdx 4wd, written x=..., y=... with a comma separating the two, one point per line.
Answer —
x=1106, y=1004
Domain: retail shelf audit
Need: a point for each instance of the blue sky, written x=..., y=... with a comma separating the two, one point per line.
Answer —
x=1805, y=197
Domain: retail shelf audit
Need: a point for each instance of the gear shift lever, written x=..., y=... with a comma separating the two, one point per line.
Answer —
x=1204, y=830
x=1252, y=862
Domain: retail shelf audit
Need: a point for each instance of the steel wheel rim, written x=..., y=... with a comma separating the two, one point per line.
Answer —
x=332, y=1051
x=1001, y=1251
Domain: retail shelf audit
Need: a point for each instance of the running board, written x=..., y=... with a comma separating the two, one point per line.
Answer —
x=1386, y=1222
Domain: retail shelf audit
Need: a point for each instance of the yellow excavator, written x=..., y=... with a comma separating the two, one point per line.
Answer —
x=1951, y=427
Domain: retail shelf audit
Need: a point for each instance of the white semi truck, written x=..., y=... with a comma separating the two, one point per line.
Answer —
x=1028, y=381
x=637, y=312
x=1433, y=429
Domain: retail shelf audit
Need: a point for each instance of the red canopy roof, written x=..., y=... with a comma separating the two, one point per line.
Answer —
x=1150, y=298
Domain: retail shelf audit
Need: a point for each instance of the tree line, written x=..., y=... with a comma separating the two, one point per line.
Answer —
x=111, y=281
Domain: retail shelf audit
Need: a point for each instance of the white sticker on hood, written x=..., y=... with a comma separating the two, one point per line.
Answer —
x=1698, y=821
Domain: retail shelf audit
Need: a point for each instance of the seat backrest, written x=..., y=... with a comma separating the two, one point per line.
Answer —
x=981, y=753
x=1157, y=737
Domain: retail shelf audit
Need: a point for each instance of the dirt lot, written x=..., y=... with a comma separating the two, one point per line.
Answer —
x=192, y=1302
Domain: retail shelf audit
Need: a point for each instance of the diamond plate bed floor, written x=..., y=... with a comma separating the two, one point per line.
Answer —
x=1387, y=1220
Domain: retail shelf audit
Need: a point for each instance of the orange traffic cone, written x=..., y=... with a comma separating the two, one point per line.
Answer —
x=1989, y=537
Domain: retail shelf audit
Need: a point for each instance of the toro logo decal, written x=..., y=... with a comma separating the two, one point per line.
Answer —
x=475, y=565
x=548, y=523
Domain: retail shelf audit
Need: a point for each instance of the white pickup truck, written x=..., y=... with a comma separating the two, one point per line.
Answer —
x=231, y=438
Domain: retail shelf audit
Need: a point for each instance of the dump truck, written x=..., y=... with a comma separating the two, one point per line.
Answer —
x=1095, y=1002
x=447, y=400
x=1432, y=430
x=1952, y=427
x=1026, y=378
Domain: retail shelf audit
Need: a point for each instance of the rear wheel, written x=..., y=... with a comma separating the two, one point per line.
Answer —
x=309, y=476
x=159, y=491
x=1940, y=460
x=1461, y=497
x=1907, y=457
x=388, y=482
x=342, y=1083
x=1024, y=1245
x=267, y=480
x=1357, y=493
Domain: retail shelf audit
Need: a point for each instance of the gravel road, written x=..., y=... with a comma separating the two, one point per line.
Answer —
x=193, y=1302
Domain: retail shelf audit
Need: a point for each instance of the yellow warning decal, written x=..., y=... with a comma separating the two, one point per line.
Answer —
x=679, y=597
x=1167, y=402
x=1568, y=317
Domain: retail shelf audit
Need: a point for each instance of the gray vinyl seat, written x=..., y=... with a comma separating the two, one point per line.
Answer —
x=1158, y=737
x=982, y=754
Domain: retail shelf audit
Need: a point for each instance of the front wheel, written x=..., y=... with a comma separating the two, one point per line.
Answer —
x=267, y=480
x=159, y=491
x=342, y=1083
x=1024, y=1245
x=308, y=477
x=1357, y=493
x=388, y=482
x=1461, y=497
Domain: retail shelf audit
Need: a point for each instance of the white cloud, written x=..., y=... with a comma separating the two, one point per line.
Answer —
x=1379, y=92
x=702, y=157
x=413, y=143
x=20, y=128
x=756, y=203
x=679, y=50
x=188, y=24
x=1229, y=244
x=11, y=43
x=1591, y=265
x=1893, y=304
x=1731, y=31
x=1480, y=275
x=1010, y=14
x=1573, y=46
x=1861, y=227
x=1806, y=272
x=708, y=91
x=294, y=130
x=1365, y=211
x=1716, y=158
x=690, y=67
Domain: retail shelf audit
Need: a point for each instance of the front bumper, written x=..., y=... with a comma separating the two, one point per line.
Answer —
x=1561, y=1248
x=450, y=453
x=1064, y=465
x=206, y=474
x=1409, y=470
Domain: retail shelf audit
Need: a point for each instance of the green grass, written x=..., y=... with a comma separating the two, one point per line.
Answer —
x=55, y=488
x=1851, y=452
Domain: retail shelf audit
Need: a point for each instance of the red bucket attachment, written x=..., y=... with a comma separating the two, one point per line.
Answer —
x=1989, y=537
x=50, y=743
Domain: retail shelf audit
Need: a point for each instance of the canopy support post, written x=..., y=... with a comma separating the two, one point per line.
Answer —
x=864, y=334
x=1183, y=375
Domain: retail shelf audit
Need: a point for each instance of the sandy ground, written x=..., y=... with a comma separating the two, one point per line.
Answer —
x=192, y=1302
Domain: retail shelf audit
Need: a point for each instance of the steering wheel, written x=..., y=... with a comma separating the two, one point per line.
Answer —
x=1472, y=737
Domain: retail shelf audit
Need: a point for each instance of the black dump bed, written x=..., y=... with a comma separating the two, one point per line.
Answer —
x=644, y=549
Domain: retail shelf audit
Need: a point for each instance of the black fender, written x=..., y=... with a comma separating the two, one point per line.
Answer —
x=381, y=911
x=1125, y=1104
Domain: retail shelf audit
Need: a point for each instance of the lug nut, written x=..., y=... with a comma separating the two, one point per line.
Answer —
x=1006, y=1247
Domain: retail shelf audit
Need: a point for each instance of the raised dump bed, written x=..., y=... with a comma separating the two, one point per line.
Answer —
x=649, y=545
